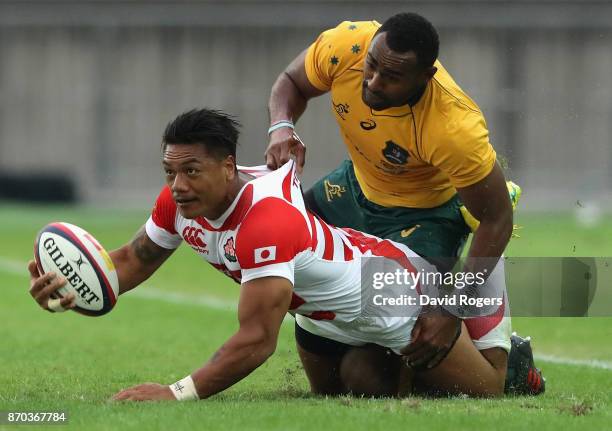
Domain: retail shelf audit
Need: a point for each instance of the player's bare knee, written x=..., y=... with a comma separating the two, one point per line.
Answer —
x=323, y=373
x=369, y=371
x=493, y=388
x=330, y=391
x=490, y=387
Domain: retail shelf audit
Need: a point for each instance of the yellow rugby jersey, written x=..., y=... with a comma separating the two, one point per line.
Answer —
x=403, y=156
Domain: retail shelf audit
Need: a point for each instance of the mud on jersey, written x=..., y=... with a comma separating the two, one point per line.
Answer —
x=267, y=231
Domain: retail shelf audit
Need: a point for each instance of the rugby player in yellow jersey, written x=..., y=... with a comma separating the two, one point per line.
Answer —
x=419, y=151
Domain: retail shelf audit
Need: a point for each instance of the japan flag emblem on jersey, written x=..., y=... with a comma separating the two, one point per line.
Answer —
x=265, y=254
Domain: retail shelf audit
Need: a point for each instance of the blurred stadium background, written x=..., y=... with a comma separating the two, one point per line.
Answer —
x=88, y=86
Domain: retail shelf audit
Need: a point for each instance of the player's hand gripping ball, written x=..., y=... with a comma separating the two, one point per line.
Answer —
x=90, y=275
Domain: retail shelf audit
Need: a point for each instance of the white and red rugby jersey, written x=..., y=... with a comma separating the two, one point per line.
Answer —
x=267, y=231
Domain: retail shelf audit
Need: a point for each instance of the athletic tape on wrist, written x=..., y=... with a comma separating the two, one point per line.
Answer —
x=297, y=138
x=184, y=389
x=280, y=125
x=54, y=305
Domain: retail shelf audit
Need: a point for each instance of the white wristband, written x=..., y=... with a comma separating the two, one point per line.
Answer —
x=280, y=124
x=184, y=389
x=54, y=305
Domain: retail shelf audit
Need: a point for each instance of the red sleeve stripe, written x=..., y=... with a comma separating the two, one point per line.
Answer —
x=287, y=185
x=328, y=253
x=313, y=232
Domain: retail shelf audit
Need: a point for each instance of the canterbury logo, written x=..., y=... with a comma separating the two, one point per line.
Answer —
x=193, y=236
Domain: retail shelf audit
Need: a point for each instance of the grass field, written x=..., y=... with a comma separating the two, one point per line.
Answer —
x=182, y=315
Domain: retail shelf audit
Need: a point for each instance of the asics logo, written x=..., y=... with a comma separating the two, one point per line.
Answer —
x=193, y=236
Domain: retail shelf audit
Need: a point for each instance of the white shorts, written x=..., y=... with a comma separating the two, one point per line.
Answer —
x=394, y=332
x=396, y=335
x=390, y=332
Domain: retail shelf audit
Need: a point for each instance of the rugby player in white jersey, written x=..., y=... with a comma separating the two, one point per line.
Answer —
x=253, y=226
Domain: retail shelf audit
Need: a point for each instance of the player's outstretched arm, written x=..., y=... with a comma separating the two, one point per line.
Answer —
x=288, y=99
x=262, y=307
x=138, y=260
x=434, y=334
x=488, y=201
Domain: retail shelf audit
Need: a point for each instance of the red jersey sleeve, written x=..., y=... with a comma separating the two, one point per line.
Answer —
x=272, y=233
x=161, y=226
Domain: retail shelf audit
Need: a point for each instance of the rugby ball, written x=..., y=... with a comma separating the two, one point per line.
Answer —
x=73, y=253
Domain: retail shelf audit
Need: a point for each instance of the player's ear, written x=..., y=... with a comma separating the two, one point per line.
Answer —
x=229, y=165
x=430, y=72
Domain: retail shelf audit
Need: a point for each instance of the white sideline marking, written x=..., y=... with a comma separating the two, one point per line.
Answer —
x=13, y=266
x=206, y=301
x=591, y=363
x=16, y=267
x=148, y=292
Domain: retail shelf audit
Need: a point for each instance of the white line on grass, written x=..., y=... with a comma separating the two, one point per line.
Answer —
x=148, y=292
x=13, y=266
x=591, y=363
x=16, y=267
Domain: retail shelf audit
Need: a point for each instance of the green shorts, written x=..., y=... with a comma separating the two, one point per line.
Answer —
x=430, y=232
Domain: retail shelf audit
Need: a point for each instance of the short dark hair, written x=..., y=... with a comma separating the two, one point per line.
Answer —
x=411, y=32
x=214, y=129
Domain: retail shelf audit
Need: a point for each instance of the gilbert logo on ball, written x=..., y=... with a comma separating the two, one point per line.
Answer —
x=71, y=252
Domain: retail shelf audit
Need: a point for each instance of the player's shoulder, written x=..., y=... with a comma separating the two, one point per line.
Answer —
x=273, y=214
x=354, y=30
x=254, y=171
x=349, y=40
x=164, y=211
x=338, y=50
x=277, y=209
x=454, y=112
x=450, y=99
x=280, y=183
x=165, y=197
x=273, y=222
x=353, y=36
x=164, y=204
